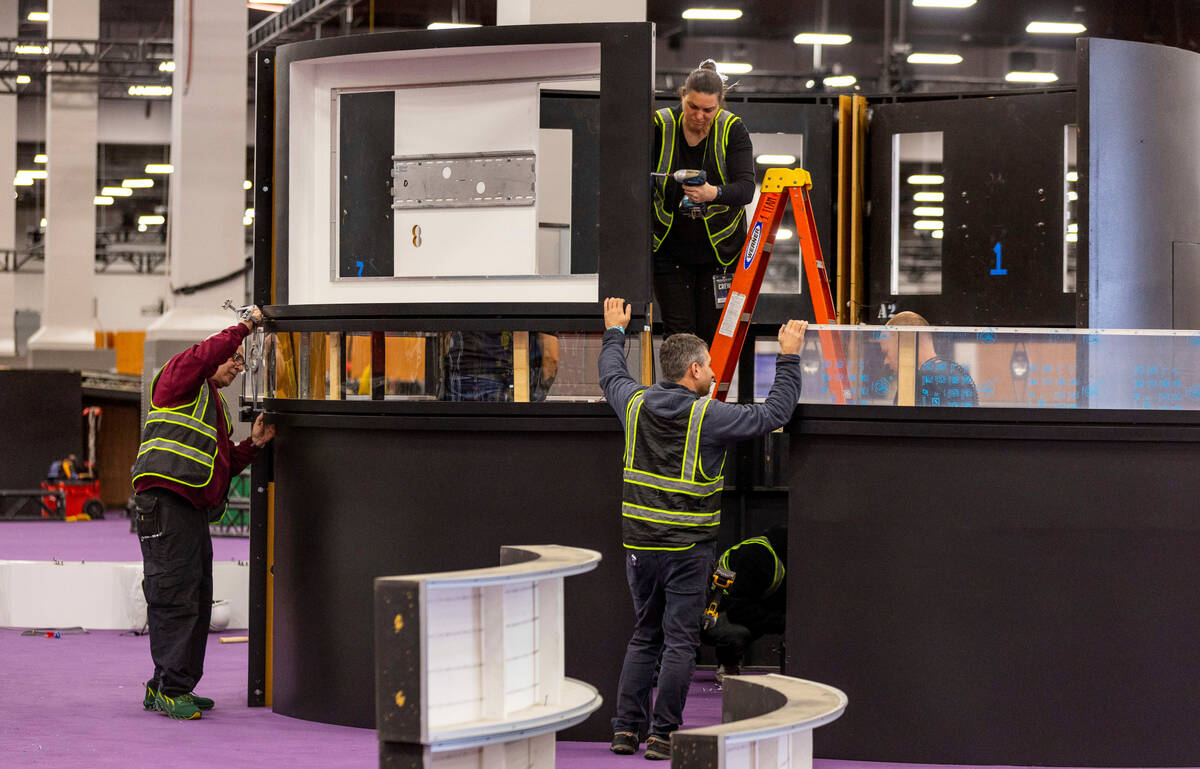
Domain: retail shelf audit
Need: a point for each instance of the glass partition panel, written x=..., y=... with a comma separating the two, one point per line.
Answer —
x=851, y=365
x=966, y=367
x=427, y=366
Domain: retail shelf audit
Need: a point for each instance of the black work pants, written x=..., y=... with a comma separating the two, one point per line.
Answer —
x=668, y=590
x=684, y=300
x=178, y=585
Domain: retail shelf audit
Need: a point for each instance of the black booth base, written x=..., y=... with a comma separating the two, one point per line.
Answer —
x=354, y=504
x=999, y=588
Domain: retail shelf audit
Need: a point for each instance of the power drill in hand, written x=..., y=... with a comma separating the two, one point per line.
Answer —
x=689, y=178
x=722, y=580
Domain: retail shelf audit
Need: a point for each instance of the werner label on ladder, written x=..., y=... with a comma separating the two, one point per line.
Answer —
x=752, y=267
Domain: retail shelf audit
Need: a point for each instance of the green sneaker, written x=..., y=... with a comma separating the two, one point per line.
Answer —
x=181, y=707
x=150, y=701
x=204, y=703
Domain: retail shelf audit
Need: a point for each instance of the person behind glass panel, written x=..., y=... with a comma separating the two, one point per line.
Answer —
x=478, y=365
x=699, y=229
x=939, y=380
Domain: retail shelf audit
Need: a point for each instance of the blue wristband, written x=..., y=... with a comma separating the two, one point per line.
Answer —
x=618, y=328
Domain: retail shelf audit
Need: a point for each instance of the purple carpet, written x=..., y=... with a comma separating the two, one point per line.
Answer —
x=75, y=702
x=106, y=540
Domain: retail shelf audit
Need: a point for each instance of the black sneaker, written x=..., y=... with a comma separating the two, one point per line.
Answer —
x=625, y=743
x=658, y=748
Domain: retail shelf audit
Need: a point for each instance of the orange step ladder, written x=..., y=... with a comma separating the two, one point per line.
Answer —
x=750, y=269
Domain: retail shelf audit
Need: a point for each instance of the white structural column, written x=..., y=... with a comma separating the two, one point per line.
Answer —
x=8, y=205
x=208, y=150
x=568, y=11
x=68, y=306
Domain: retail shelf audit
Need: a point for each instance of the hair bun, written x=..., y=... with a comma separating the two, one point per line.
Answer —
x=708, y=64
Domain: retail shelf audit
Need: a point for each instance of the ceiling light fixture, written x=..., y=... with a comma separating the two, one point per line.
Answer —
x=450, y=25
x=712, y=14
x=943, y=3
x=931, y=211
x=38, y=16
x=929, y=197
x=839, y=81
x=150, y=219
x=159, y=168
x=820, y=38
x=937, y=234
x=734, y=67
x=117, y=192
x=32, y=50
x=1072, y=176
x=934, y=58
x=137, y=183
x=23, y=80
x=150, y=90
x=22, y=181
x=1031, y=77
x=927, y=224
x=247, y=184
x=166, y=66
x=783, y=233
x=775, y=160
x=270, y=6
x=926, y=179
x=1055, y=28
x=39, y=158
x=102, y=200
x=38, y=174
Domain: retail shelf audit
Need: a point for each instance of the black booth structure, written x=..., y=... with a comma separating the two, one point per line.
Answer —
x=992, y=585
x=359, y=487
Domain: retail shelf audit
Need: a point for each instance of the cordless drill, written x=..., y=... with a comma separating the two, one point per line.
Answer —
x=722, y=580
x=690, y=178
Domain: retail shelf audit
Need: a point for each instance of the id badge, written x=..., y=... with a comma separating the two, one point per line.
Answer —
x=721, y=286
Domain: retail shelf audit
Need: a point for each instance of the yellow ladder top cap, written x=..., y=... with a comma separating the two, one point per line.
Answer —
x=777, y=179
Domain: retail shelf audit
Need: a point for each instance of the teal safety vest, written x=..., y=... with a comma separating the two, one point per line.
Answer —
x=667, y=502
x=725, y=225
x=780, y=572
x=180, y=443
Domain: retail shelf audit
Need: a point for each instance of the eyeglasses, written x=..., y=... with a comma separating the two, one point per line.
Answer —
x=239, y=359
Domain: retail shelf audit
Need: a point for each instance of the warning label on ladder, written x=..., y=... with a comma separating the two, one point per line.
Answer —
x=733, y=312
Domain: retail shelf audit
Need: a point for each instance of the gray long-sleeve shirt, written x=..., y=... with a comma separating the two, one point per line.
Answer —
x=724, y=423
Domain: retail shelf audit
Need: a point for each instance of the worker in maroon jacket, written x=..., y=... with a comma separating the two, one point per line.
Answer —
x=181, y=481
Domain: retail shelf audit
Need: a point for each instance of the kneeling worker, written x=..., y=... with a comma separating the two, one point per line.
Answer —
x=181, y=479
x=675, y=442
x=756, y=603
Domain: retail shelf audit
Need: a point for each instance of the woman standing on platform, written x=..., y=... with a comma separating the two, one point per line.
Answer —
x=699, y=230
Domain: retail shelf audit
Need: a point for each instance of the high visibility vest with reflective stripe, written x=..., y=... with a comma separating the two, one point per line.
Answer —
x=725, y=224
x=180, y=443
x=780, y=572
x=667, y=502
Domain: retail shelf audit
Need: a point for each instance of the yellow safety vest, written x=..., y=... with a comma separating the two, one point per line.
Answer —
x=179, y=443
x=721, y=221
